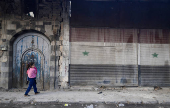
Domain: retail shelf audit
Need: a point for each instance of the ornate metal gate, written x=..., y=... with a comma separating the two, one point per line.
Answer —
x=31, y=47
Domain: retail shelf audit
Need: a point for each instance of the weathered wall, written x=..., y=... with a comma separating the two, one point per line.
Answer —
x=49, y=21
x=64, y=47
x=119, y=57
x=103, y=57
x=154, y=57
x=106, y=50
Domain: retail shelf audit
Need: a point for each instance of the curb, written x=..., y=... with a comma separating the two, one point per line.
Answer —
x=81, y=102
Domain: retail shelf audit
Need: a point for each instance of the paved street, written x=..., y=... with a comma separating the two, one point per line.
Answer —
x=125, y=96
x=83, y=105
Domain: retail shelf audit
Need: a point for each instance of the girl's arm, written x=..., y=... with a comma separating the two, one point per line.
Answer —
x=35, y=70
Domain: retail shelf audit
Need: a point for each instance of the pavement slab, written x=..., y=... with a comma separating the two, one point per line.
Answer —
x=129, y=96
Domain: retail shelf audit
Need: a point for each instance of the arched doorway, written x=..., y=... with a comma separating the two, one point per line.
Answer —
x=36, y=56
x=31, y=47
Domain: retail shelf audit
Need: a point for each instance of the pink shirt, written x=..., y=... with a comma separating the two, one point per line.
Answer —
x=32, y=72
x=34, y=68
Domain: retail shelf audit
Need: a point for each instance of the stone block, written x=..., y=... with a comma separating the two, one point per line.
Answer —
x=8, y=37
x=10, y=26
x=64, y=78
x=11, y=32
x=37, y=28
x=52, y=82
x=66, y=43
x=43, y=31
x=4, y=83
x=4, y=59
x=61, y=37
x=53, y=43
x=48, y=30
x=58, y=53
x=66, y=48
x=52, y=70
x=52, y=58
x=39, y=23
x=32, y=27
x=5, y=53
x=56, y=23
x=52, y=48
x=4, y=69
x=17, y=23
x=55, y=27
x=52, y=63
x=58, y=42
x=5, y=74
x=61, y=48
x=28, y=27
x=61, y=63
x=52, y=53
x=57, y=48
x=23, y=22
x=47, y=23
x=57, y=38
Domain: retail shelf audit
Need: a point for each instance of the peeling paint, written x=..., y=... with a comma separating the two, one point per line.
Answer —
x=29, y=54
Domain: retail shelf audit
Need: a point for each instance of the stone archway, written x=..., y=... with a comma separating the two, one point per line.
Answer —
x=31, y=47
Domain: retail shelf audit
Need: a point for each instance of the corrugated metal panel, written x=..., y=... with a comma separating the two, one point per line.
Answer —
x=155, y=75
x=154, y=36
x=103, y=35
x=108, y=75
x=154, y=54
x=103, y=55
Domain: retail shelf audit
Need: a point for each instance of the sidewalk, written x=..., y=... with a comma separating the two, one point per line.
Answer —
x=130, y=95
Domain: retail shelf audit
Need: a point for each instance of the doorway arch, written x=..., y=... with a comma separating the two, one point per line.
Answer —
x=31, y=47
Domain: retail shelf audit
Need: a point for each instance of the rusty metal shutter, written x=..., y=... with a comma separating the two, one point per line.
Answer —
x=103, y=57
x=154, y=57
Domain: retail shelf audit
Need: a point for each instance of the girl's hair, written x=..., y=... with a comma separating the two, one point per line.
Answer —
x=29, y=65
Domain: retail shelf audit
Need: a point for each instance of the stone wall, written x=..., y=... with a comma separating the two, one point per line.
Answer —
x=64, y=47
x=52, y=21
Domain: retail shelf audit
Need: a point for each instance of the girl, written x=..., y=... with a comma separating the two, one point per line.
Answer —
x=28, y=66
x=32, y=72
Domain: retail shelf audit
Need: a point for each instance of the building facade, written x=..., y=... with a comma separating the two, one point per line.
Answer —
x=34, y=31
x=102, y=43
x=120, y=43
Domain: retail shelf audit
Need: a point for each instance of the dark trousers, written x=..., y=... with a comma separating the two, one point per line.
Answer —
x=32, y=82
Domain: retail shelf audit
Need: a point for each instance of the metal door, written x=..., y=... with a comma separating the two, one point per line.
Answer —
x=31, y=47
x=38, y=59
x=154, y=57
x=103, y=57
